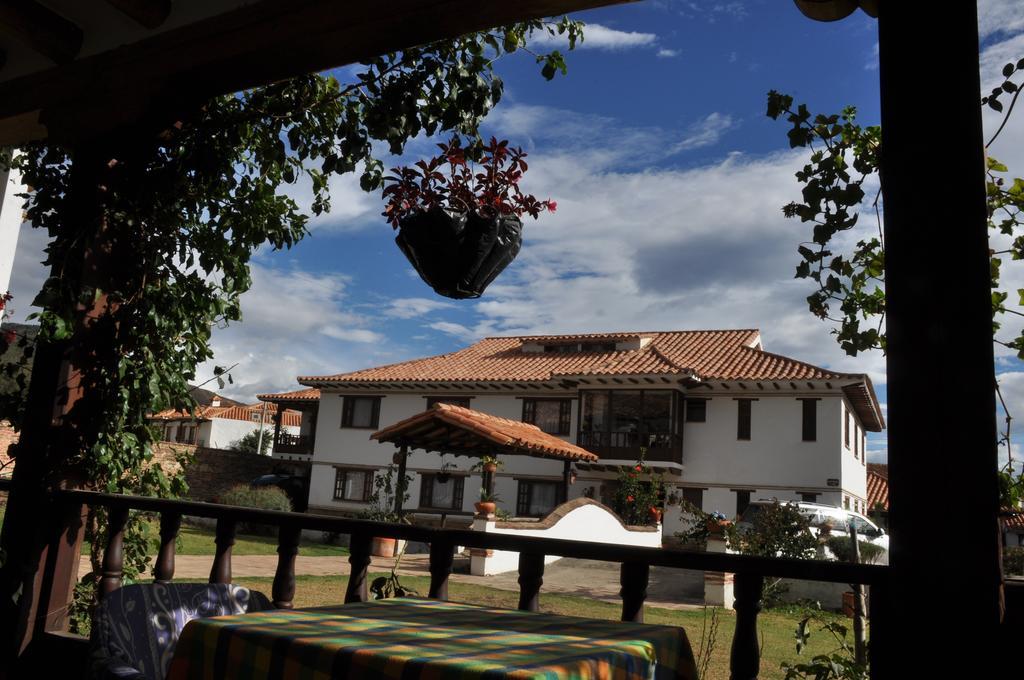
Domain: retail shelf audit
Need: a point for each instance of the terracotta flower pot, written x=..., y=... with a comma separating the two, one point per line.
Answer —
x=655, y=515
x=490, y=467
x=383, y=547
x=485, y=507
x=717, y=526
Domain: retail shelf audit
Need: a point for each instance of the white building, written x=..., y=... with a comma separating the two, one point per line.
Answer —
x=218, y=427
x=10, y=226
x=723, y=420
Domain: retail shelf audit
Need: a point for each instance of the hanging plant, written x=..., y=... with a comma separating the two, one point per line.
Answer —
x=458, y=221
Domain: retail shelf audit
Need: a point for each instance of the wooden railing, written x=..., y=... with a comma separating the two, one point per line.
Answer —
x=299, y=444
x=660, y=447
x=634, y=570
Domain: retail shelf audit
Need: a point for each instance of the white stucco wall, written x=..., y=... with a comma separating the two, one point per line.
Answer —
x=221, y=433
x=10, y=225
x=592, y=523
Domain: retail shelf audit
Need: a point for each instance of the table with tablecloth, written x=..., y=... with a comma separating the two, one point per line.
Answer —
x=419, y=639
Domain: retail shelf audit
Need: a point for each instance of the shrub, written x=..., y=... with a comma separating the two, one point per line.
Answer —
x=259, y=497
x=841, y=547
x=1013, y=561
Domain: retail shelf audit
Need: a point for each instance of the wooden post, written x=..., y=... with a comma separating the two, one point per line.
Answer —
x=61, y=572
x=745, y=656
x=170, y=525
x=566, y=480
x=633, y=577
x=442, y=554
x=278, y=415
x=400, y=486
x=939, y=325
x=359, y=558
x=283, y=589
x=113, y=555
x=224, y=540
x=531, y=578
x=860, y=640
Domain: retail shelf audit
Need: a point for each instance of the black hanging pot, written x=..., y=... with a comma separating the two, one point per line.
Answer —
x=459, y=254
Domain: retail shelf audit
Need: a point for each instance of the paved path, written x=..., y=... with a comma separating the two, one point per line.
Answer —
x=670, y=588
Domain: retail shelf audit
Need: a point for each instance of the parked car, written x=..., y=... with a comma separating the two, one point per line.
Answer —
x=838, y=521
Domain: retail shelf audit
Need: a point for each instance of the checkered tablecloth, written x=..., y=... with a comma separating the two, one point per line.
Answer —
x=413, y=639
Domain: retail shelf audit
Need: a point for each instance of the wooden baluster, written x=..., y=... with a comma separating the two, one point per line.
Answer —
x=170, y=525
x=359, y=558
x=113, y=555
x=745, y=657
x=283, y=589
x=633, y=577
x=531, y=577
x=225, y=539
x=442, y=555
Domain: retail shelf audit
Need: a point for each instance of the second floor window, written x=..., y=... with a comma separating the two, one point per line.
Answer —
x=696, y=410
x=628, y=418
x=361, y=412
x=810, y=419
x=550, y=415
x=441, y=491
x=743, y=418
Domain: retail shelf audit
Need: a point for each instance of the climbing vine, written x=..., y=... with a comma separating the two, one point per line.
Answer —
x=152, y=231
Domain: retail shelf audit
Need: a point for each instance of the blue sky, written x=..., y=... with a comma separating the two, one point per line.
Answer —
x=669, y=180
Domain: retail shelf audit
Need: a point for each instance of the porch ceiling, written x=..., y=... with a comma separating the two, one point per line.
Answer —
x=79, y=69
x=464, y=432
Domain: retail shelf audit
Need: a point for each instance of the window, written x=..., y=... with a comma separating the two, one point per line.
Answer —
x=864, y=448
x=742, y=501
x=573, y=347
x=846, y=428
x=809, y=497
x=553, y=416
x=846, y=502
x=743, y=419
x=352, y=485
x=810, y=420
x=446, y=494
x=536, y=499
x=629, y=418
x=696, y=410
x=454, y=401
x=694, y=497
x=856, y=442
x=361, y=412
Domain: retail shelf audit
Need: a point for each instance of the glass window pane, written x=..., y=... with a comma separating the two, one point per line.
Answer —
x=595, y=412
x=542, y=498
x=626, y=417
x=547, y=415
x=355, y=483
x=362, y=412
x=657, y=417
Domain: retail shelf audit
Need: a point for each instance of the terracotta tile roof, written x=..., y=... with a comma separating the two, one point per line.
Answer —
x=1014, y=521
x=463, y=431
x=878, y=486
x=248, y=413
x=311, y=394
x=733, y=355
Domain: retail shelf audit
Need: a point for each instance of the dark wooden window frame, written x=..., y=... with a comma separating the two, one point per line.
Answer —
x=702, y=411
x=691, y=491
x=340, y=474
x=348, y=410
x=846, y=426
x=742, y=500
x=524, y=494
x=809, y=418
x=744, y=418
x=564, y=413
x=427, y=480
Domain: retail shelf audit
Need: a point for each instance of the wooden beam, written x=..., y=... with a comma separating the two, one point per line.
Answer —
x=45, y=31
x=147, y=13
x=176, y=70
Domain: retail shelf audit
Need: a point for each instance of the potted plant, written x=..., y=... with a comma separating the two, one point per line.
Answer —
x=382, y=508
x=655, y=513
x=444, y=474
x=458, y=225
x=487, y=464
x=716, y=524
x=488, y=503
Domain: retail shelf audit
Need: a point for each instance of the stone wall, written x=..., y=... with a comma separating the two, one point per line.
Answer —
x=211, y=472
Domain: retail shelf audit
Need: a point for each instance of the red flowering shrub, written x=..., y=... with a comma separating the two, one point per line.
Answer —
x=450, y=180
x=639, y=494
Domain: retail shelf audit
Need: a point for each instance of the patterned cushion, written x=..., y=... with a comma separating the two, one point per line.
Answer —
x=137, y=626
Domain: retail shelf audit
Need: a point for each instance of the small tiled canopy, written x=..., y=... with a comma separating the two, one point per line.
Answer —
x=464, y=432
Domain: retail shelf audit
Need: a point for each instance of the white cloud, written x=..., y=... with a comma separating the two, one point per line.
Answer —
x=408, y=308
x=458, y=330
x=872, y=63
x=666, y=53
x=598, y=37
x=999, y=17
x=706, y=131
x=351, y=334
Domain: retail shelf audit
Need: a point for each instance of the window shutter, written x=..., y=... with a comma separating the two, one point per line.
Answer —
x=523, y=498
x=810, y=420
x=565, y=417
x=529, y=411
x=367, y=485
x=346, y=412
x=375, y=418
x=426, y=491
x=457, y=492
x=743, y=420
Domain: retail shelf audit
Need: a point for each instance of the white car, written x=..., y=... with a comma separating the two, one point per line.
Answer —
x=838, y=521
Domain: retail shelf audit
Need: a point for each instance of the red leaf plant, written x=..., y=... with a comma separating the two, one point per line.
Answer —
x=490, y=188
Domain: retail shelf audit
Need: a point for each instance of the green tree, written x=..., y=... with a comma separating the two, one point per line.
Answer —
x=251, y=442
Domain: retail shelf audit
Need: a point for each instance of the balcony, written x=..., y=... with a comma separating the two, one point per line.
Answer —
x=293, y=444
x=661, y=447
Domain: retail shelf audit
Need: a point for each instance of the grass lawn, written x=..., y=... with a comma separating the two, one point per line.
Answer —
x=777, y=628
x=193, y=540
